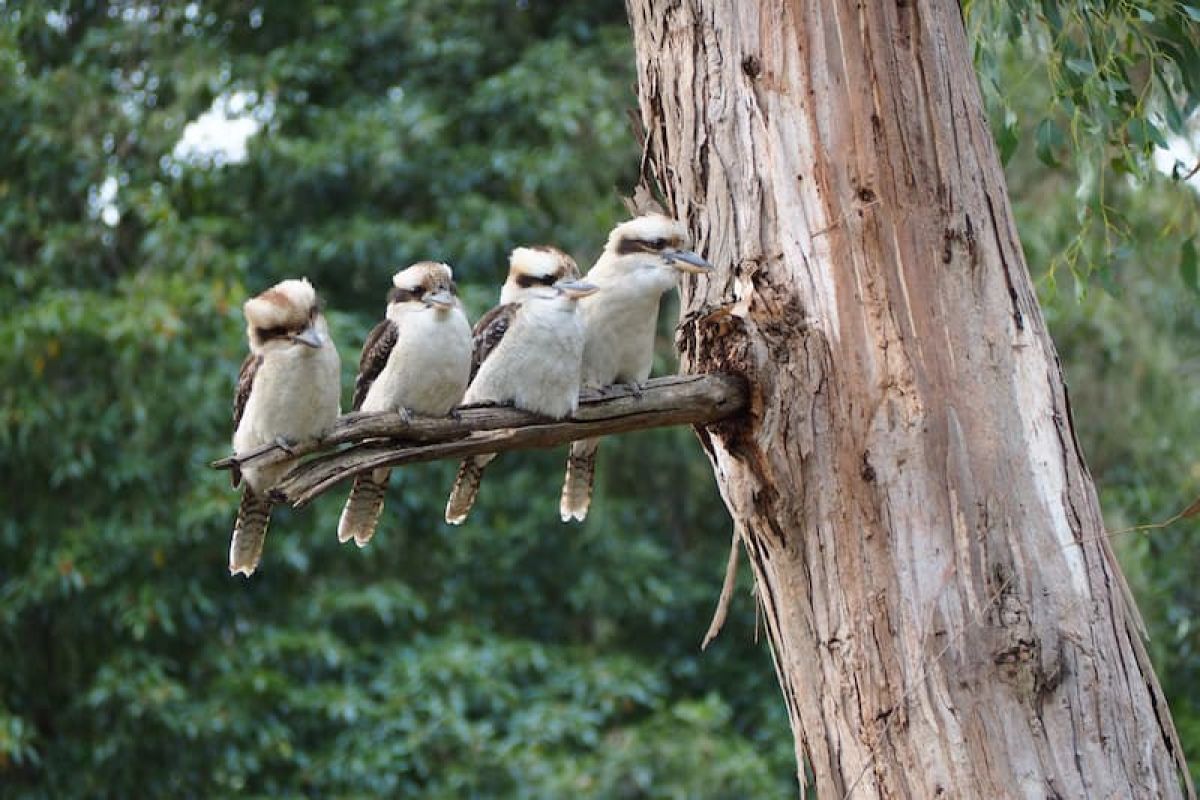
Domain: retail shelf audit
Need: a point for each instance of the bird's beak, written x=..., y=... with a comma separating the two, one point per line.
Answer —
x=441, y=300
x=576, y=289
x=310, y=336
x=686, y=261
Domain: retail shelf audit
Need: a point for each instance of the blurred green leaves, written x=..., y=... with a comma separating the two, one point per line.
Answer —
x=1050, y=140
x=1114, y=86
x=512, y=656
x=1187, y=265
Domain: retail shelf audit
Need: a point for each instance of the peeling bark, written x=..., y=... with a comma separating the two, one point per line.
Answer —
x=945, y=613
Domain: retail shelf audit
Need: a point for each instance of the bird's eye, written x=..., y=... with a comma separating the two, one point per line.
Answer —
x=659, y=244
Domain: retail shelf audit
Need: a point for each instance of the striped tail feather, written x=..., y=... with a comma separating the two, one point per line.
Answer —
x=361, y=513
x=249, y=533
x=577, y=484
x=466, y=488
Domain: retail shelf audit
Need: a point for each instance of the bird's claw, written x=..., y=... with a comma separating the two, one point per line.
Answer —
x=405, y=414
x=285, y=445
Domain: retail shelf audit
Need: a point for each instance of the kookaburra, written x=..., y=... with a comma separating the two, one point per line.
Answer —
x=527, y=352
x=288, y=391
x=641, y=261
x=418, y=359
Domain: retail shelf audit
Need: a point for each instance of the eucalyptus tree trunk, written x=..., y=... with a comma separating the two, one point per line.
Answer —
x=945, y=612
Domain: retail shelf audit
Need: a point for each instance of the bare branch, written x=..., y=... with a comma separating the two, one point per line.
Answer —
x=389, y=440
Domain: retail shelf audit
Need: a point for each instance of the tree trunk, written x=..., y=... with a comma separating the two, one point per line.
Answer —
x=945, y=613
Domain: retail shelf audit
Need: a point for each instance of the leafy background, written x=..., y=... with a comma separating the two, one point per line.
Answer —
x=514, y=655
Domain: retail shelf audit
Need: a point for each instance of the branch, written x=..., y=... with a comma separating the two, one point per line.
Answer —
x=388, y=440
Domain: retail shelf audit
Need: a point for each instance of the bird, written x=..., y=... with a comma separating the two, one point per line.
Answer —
x=288, y=390
x=642, y=260
x=527, y=352
x=417, y=360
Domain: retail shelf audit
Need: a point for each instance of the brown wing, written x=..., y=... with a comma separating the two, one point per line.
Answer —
x=378, y=347
x=244, y=384
x=488, y=332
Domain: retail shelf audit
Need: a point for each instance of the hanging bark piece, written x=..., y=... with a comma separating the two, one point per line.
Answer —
x=728, y=584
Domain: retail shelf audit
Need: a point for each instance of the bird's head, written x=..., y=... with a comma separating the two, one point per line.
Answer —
x=531, y=267
x=425, y=286
x=286, y=315
x=651, y=250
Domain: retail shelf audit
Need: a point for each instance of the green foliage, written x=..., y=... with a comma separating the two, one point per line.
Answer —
x=1098, y=88
x=512, y=656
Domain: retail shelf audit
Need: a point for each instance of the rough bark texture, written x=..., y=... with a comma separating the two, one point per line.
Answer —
x=946, y=616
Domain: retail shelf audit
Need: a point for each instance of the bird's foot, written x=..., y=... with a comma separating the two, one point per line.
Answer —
x=405, y=414
x=285, y=444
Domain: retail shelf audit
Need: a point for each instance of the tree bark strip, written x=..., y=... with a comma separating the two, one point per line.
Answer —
x=945, y=613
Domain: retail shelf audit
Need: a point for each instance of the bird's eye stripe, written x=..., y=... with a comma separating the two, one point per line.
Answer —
x=271, y=333
x=525, y=281
x=629, y=245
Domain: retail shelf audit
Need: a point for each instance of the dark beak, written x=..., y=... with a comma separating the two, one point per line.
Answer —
x=576, y=289
x=686, y=261
x=310, y=336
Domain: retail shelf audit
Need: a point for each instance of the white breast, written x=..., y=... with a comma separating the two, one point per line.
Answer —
x=429, y=365
x=619, y=346
x=536, y=365
x=296, y=395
